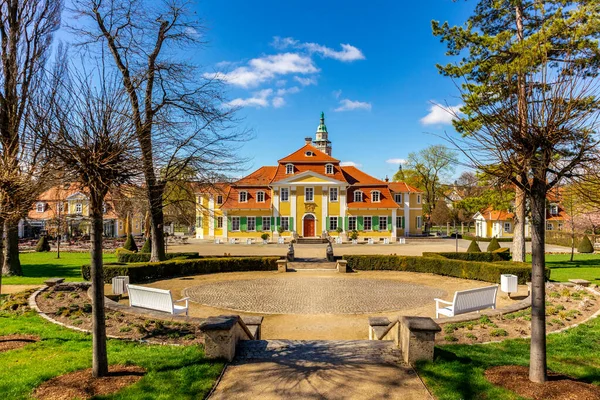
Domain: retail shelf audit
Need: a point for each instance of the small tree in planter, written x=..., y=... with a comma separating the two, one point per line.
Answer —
x=585, y=246
x=43, y=245
x=494, y=245
x=354, y=235
x=280, y=230
x=473, y=247
x=265, y=237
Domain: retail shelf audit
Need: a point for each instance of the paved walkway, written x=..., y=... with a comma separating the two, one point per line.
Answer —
x=286, y=369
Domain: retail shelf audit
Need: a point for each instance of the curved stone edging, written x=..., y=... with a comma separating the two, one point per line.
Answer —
x=472, y=316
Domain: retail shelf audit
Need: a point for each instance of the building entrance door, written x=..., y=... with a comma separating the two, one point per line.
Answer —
x=309, y=226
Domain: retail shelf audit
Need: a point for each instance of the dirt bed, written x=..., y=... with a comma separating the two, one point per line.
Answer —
x=558, y=387
x=74, y=308
x=81, y=384
x=12, y=342
x=565, y=306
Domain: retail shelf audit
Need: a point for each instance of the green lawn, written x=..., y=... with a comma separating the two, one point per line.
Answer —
x=37, y=267
x=172, y=372
x=584, y=266
x=457, y=372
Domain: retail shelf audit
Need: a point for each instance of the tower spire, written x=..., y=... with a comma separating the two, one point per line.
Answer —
x=322, y=141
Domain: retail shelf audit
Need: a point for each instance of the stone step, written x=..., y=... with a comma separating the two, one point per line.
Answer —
x=311, y=241
x=300, y=265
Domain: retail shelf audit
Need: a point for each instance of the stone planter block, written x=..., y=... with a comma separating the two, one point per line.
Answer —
x=342, y=266
x=417, y=338
x=221, y=335
x=282, y=265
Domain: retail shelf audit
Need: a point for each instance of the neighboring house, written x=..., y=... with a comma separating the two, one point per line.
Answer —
x=453, y=196
x=67, y=206
x=309, y=193
x=494, y=223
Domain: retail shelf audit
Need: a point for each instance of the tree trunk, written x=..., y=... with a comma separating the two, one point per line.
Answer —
x=518, y=253
x=99, y=355
x=537, y=367
x=155, y=194
x=12, y=263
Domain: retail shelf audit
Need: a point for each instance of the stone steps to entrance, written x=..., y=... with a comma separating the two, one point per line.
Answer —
x=311, y=241
x=311, y=264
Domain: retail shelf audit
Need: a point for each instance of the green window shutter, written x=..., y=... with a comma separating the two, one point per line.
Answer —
x=291, y=223
x=228, y=223
x=258, y=224
x=340, y=222
x=243, y=223
x=278, y=224
x=389, y=223
x=346, y=223
x=402, y=222
x=360, y=222
x=327, y=224
x=375, y=223
x=272, y=223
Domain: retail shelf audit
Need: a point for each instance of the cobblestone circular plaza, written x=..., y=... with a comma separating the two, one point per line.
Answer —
x=313, y=295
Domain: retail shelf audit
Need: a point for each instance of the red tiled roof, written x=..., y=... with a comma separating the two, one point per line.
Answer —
x=317, y=168
x=403, y=187
x=386, y=198
x=494, y=215
x=299, y=156
x=232, y=200
x=261, y=177
x=356, y=177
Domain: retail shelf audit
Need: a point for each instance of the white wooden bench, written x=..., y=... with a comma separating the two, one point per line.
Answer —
x=467, y=301
x=155, y=299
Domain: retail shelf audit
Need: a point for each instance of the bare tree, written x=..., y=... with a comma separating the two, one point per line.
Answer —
x=178, y=115
x=26, y=32
x=93, y=141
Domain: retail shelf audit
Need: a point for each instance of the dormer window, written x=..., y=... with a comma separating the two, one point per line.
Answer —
x=553, y=209
x=309, y=154
x=243, y=197
x=220, y=199
x=78, y=208
x=289, y=169
x=329, y=169
x=260, y=197
x=40, y=207
x=358, y=196
x=398, y=197
x=104, y=208
x=375, y=196
x=60, y=206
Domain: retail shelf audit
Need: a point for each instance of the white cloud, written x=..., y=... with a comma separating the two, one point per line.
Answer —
x=280, y=83
x=305, y=81
x=278, y=102
x=350, y=164
x=263, y=69
x=337, y=93
x=291, y=90
x=346, y=54
x=396, y=161
x=348, y=105
x=440, y=115
x=259, y=99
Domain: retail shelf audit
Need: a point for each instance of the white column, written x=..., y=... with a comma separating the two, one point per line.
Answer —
x=394, y=233
x=211, y=217
x=343, y=204
x=325, y=207
x=225, y=226
x=199, y=230
x=275, y=208
x=406, y=198
x=292, y=190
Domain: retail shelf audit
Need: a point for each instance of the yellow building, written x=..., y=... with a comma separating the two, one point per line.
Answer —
x=309, y=194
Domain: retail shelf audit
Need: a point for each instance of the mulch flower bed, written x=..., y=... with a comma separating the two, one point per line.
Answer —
x=11, y=342
x=558, y=387
x=81, y=384
x=74, y=308
x=564, y=306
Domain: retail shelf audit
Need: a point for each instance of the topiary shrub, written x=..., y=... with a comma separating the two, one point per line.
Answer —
x=585, y=246
x=494, y=245
x=147, y=247
x=473, y=247
x=43, y=245
x=130, y=244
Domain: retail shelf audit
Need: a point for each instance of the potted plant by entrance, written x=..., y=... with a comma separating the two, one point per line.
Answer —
x=265, y=237
x=339, y=238
x=354, y=236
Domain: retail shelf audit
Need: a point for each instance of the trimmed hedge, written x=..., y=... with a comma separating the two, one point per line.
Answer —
x=502, y=254
x=585, y=246
x=141, y=272
x=494, y=245
x=126, y=256
x=43, y=245
x=130, y=244
x=481, y=271
x=468, y=236
x=147, y=247
x=473, y=247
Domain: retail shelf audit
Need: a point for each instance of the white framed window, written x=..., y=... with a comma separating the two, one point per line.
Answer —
x=399, y=222
x=235, y=224
x=260, y=196
x=266, y=224
x=419, y=222
x=418, y=199
x=333, y=194
x=383, y=223
x=251, y=223
x=219, y=222
x=560, y=227
x=309, y=194
x=285, y=194
x=358, y=196
x=285, y=223
x=220, y=199
x=329, y=169
x=507, y=227
x=40, y=207
x=375, y=196
x=78, y=208
x=61, y=207
x=549, y=226
x=104, y=208
x=352, y=223
x=553, y=209
x=120, y=226
x=368, y=223
x=243, y=197
x=289, y=169
x=333, y=223
x=398, y=197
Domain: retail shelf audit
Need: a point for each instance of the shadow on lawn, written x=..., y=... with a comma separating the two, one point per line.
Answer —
x=45, y=270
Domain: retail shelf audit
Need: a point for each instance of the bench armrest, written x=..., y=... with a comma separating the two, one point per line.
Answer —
x=442, y=301
x=186, y=299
